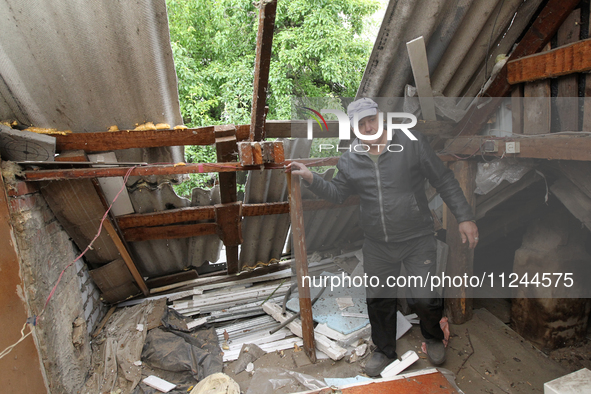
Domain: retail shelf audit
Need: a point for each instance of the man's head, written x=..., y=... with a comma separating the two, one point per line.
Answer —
x=366, y=111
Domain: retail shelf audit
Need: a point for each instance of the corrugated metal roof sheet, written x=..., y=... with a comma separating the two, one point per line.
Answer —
x=164, y=256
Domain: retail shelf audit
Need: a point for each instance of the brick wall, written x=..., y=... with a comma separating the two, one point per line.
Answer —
x=45, y=250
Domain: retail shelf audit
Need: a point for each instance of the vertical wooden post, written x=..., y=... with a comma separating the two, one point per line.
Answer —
x=227, y=151
x=458, y=306
x=301, y=260
x=567, y=103
x=262, y=64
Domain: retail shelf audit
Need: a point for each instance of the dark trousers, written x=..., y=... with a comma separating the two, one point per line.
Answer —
x=383, y=260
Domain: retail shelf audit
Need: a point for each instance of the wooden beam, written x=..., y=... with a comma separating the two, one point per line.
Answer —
x=136, y=234
x=568, y=59
x=461, y=257
x=227, y=151
x=301, y=261
x=560, y=147
x=267, y=12
x=539, y=34
x=190, y=168
x=190, y=214
x=417, y=54
x=124, y=139
x=567, y=104
x=228, y=218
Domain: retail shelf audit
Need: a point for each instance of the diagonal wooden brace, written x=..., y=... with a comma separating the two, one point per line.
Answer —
x=229, y=220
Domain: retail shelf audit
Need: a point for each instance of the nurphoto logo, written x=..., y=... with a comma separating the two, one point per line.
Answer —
x=345, y=124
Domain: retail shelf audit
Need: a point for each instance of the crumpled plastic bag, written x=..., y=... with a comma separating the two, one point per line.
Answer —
x=269, y=380
x=490, y=175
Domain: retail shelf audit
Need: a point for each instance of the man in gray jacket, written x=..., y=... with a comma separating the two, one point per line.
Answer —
x=389, y=178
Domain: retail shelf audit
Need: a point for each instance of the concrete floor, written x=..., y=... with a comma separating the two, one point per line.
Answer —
x=484, y=353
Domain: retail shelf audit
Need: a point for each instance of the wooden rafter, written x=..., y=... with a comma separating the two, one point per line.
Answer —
x=262, y=64
x=190, y=214
x=560, y=147
x=565, y=60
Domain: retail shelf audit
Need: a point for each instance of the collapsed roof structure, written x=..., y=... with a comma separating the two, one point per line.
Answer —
x=513, y=71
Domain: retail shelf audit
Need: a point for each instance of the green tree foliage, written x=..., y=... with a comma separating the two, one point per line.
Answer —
x=318, y=51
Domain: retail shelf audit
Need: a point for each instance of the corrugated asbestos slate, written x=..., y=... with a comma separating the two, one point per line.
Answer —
x=462, y=37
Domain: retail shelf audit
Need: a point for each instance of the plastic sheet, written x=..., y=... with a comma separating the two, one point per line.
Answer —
x=490, y=175
x=173, y=351
x=269, y=380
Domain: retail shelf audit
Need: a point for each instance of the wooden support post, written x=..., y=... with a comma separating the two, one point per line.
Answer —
x=228, y=218
x=458, y=306
x=301, y=260
x=567, y=103
x=262, y=64
x=227, y=151
x=517, y=109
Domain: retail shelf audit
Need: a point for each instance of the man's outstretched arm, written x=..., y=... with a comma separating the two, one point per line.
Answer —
x=335, y=191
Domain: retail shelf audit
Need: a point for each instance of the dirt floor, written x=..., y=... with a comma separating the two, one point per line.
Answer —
x=485, y=355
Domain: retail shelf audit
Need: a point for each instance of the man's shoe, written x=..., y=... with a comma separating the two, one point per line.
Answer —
x=376, y=363
x=435, y=351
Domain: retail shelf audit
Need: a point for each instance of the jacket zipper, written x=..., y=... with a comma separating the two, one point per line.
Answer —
x=380, y=200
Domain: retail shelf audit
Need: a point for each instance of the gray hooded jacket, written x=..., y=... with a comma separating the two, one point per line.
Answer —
x=393, y=203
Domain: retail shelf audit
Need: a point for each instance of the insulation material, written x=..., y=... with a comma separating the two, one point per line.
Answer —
x=164, y=256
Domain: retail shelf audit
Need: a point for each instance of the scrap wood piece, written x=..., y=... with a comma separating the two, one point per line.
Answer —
x=325, y=345
x=301, y=263
x=229, y=221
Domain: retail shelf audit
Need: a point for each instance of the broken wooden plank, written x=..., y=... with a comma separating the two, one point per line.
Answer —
x=299, y=247
x=136, y=234
x=189, y=168
x=567, y=59
x=325, y=345
x=458, y=303
x=125, y=139
x=417, y=54
x=539, y=34
x=563, y=147
x=267, y=12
